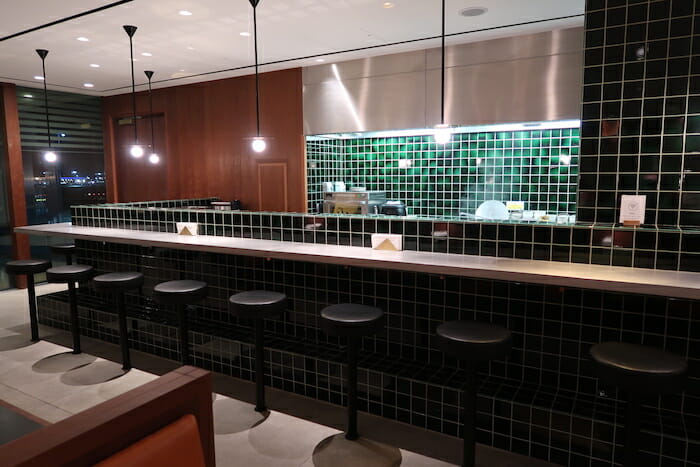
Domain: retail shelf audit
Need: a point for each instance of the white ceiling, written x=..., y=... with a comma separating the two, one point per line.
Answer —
x=209, y=40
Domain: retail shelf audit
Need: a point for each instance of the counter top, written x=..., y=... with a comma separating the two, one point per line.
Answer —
x=612, y=278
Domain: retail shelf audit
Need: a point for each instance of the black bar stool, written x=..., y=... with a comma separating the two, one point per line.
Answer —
x=258, y=305
x=472, y=342
x=29, y=267
x=181, y=293
x=637, y=370
x=118, y=283
x=352, y=322
x=67, y=249
x=70, y=275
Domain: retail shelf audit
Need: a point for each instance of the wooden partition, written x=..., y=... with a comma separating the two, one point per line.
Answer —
x=206, y=130
x=96, y=433
x=11, y=151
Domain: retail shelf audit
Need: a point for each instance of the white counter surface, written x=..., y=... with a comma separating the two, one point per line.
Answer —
x=612, y=278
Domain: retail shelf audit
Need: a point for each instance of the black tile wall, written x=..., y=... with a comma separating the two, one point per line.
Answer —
x=542, y=401
x=640, y=130
x=606, y=244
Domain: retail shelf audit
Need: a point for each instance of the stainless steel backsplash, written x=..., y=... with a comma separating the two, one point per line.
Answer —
x=532, y=77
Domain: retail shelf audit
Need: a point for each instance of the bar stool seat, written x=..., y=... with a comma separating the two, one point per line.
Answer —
x=258, y=305
x=181, y=293
x=118, y=283
x=471, y=342
x=174, y=292
x=64, y=248
x=67, y=249
x=353, y=322
x=350, y=320
x=639, y=368
x=29, y=267
x=71, y=274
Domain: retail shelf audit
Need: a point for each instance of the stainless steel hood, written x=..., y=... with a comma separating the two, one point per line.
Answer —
x=533, y=77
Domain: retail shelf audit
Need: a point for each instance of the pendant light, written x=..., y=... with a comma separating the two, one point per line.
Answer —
x=258, y=143
x=154, y=158
x=443, y=132
x=136, y=150
x=49, y=155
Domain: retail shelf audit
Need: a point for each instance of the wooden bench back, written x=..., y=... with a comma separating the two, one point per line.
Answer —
x=101, y=431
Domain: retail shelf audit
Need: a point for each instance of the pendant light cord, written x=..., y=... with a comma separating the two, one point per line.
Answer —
x=46, y=103
x=133, y=89
x=442, y=87
x=150, y=99
x=257, y=78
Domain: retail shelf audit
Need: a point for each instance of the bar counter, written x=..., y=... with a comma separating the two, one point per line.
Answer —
x=677, y=284
x=544, y=400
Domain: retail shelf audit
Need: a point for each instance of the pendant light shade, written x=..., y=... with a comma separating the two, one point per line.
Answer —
x=258, y=144
x=49, y=155
x=153, y=158
x=443, y=132
x=136, y=150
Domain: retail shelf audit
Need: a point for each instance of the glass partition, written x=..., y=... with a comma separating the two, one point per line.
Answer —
x=496, y=172
x=77, y=176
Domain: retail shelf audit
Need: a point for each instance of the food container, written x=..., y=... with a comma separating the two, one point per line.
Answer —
x=393, y=208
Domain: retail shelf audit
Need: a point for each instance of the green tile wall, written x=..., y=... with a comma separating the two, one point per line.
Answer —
x=539, y=167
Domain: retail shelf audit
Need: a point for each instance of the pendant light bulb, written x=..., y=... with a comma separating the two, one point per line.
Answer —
x=50, y=157
x=154, y=158
x=136, y=151
x=258, y=144
x=442, y=134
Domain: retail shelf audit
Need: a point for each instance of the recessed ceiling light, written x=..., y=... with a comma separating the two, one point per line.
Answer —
x=147, y=54
x=189, y=47
x=185, y=13
x=94, y=65
x=388, y=5
x=82, y=39
x=473, y=11
x=320, y=60
x=245, y=34
x=40, y=78
x=89, y=85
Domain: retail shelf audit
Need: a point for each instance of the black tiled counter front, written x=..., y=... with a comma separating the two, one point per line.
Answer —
x=667, y=248
x=542, y=401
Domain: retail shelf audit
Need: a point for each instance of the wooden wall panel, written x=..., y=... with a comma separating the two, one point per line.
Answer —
x=14, y=176
x=140, y=179
x=207, y=129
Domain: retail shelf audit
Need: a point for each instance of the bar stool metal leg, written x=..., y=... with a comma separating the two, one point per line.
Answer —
x=259, y=366
x=33, y=320
x=123, y=332
x=469, y=417
x=184, y=338
x=632, y=422
x=74, y=319
x=353, y=345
